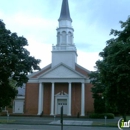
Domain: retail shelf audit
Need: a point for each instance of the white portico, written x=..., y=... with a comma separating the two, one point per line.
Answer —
x=61, y=74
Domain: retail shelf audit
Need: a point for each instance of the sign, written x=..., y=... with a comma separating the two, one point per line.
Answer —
x=121, y=124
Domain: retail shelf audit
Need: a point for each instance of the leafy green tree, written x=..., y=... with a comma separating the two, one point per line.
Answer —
x=15, y=64
x=99, y=95
x=98, y=92
x=115, y=68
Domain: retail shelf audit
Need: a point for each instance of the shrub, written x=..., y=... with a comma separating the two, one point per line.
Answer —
x=101, y=116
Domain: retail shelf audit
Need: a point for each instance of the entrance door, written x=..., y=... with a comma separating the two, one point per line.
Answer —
x=60, y=103
x=18, y=106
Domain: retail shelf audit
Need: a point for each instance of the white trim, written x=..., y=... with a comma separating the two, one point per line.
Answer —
x=33, y=81
x=52, y=98
x=35, y=73
x=20, y=97
x=62, y=80
x=59, y=80
x=69, y=101
x=83, y=99
x=62, y=64
x=40, y=99
x=16, y=107
x=60, y=96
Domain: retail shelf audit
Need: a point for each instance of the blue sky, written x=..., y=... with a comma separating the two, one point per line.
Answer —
x=36, y=20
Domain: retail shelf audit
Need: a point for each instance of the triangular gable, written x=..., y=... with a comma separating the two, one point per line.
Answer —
x=61, y=71
x=42, y=71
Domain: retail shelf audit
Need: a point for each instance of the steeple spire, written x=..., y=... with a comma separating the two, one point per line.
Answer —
x=65, y=50
x=65, y=13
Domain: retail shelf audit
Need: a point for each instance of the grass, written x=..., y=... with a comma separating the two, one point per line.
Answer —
x=114, y=124
x=103, y=124
x=3, y=121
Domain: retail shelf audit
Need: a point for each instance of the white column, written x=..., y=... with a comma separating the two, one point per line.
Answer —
x=82, y=100
x=40, y=99
x=52, y=99
x=69, y=100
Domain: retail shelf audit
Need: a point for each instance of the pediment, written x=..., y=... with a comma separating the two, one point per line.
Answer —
x=61, y=71
x=62, y=93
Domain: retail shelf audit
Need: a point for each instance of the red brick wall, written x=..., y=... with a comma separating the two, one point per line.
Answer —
x=47, y=95
x=76, y=99
x=31, y=98
x=81, y=71
x=76, y=96
x=61, y=87
x=32, y=91
x=47, y=99
x=89, y=107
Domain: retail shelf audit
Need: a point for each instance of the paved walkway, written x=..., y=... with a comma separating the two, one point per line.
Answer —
x=72, y=122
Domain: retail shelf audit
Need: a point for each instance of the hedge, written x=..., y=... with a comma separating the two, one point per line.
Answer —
x=101, y=116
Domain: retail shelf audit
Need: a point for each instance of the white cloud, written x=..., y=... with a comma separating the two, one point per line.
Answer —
x=88, y=59
x=1, y=14
x=37, y=22
x=33, y=21
x=40, y=51
x=43, y=51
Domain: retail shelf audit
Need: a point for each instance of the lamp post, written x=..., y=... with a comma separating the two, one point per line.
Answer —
x=105, y=117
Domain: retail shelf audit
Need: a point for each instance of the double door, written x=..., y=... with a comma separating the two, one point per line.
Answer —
x=60, y=103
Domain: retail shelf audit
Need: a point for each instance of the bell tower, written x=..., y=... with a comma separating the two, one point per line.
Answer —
x=64, y=51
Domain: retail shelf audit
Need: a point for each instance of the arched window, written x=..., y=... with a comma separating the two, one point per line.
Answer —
x=58, y=38
x=70, y=38
x=63, y=37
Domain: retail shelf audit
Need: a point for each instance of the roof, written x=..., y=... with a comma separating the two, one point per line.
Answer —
x=82, y=70
x=65, y=13
x=43, y=70
x=78, y=69
x=61, y=71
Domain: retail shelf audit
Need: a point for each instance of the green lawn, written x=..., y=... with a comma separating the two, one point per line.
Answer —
x=4, y=121
x=107, y=124
x=102, y=124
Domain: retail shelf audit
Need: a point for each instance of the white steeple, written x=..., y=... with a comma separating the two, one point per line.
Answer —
x=65, y=30
x=65, y=50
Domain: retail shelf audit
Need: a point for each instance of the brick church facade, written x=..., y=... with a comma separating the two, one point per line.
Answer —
x=63, y=82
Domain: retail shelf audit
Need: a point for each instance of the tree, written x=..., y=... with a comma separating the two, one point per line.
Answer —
x=115, y=68
x=98, y=92
x=15, y=64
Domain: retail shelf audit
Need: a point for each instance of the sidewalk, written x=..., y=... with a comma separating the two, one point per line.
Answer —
x=72, y=122
x=56, y=121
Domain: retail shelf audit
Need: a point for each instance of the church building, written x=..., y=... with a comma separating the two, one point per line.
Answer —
x=63, y=82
